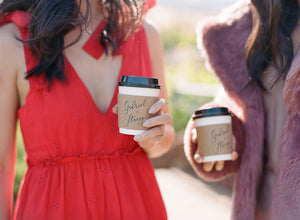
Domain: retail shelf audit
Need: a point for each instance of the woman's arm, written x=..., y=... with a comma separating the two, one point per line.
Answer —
x=8, y=117
x=157, y=140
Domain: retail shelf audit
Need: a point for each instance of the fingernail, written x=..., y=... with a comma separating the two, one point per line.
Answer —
x=198, y=158
x=151, y=110
x=146, y=123
x=137, y=137
x=194, y=136
x=234, y=155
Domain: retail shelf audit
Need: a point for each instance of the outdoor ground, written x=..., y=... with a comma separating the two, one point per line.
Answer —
x=187, y=198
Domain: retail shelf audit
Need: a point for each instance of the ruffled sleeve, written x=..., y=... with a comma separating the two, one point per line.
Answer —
x=149, y=4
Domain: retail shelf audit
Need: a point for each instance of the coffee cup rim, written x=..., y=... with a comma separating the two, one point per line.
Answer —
x=138, y=81
x=211, y=112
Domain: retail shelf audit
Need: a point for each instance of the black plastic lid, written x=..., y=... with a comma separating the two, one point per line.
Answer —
x=211, y=112
x=137, y=81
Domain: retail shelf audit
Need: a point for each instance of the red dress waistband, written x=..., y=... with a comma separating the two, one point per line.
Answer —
x=63, y=160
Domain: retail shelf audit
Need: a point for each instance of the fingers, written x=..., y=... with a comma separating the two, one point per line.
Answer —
x=234, y=155
x=158, y=106
x=146, y=145
x=157, y=120
x=194, y=136
x=208, y=166
x=153, y=134
x=155, y=139
x=115, y=109
x=155, y=126
x=219, y=165
x=198, y=158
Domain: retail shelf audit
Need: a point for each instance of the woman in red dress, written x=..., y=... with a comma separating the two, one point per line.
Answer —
x=60, y=64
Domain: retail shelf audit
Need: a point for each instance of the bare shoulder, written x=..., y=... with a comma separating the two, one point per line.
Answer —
x=11, y=51
x=156, y=54
x=9, y=32
x=155, y=48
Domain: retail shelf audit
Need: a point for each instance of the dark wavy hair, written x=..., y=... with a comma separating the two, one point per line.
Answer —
x=270, y=40
x=52, y=19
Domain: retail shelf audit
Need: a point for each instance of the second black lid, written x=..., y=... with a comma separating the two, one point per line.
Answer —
x=138, y=81
x=211, y=112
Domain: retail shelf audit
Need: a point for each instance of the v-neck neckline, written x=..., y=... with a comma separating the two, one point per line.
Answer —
x=95, y=49
x=86, y=92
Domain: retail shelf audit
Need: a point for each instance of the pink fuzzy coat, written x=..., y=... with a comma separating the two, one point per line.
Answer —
x=222, y=41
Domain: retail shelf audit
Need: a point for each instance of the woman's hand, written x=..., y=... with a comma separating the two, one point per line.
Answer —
x=159, y=137
x=155, y=126
x=115, y=109
x=209, y=166
x=159, y=130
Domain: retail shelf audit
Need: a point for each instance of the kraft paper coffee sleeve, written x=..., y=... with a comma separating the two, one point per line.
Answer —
x=133, y=111
x=214, y=139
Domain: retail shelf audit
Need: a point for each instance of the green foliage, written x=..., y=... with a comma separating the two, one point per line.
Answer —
x=172, y=38
x=183, y=106
x=197, y=72
x=183, y=62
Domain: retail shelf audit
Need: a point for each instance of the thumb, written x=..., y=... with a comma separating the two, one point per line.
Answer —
x=234, y=153
x=115, y=109
x=194, y=135
x=198, y=158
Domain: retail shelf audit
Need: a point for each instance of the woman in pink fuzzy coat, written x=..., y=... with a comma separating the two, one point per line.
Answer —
x=253, y=49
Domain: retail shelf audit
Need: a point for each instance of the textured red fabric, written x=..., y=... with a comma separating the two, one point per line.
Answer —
x=79, y=165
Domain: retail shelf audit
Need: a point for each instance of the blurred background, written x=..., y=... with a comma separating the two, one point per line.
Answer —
x=189, y=86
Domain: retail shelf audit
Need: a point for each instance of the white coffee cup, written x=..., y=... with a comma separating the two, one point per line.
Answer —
x=214, y=131
x=136, y=96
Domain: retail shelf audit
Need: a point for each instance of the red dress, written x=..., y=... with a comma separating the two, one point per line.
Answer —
x=79, y=165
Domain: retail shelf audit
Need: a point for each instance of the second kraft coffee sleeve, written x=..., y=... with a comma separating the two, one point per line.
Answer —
x=214, y=139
